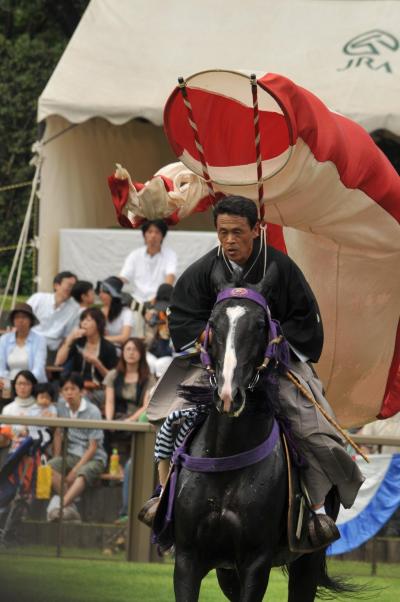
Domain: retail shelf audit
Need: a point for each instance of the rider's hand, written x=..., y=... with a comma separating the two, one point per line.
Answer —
x=203, y=336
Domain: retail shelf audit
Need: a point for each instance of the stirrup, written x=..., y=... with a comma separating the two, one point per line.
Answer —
x=322, y=531
x=148, y=512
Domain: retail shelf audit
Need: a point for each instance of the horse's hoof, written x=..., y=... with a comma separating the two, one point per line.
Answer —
x=148, y=512
x=322, y=531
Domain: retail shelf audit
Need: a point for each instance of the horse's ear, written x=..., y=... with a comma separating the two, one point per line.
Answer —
x=219, y=279
x=270, y=280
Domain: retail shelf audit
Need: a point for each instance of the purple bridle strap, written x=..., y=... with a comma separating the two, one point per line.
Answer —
x=242, y=293
x=236, y=462
x=181, y=459
x=204, y=355
x=246, y=293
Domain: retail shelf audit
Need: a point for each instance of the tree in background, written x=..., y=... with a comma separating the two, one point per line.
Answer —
x=33, y=36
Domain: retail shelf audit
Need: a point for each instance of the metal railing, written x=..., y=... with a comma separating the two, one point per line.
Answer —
x=141, y=483
x=138, y=547
x=372, y=440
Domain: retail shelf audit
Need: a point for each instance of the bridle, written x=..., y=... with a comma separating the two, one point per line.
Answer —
x=275, y=337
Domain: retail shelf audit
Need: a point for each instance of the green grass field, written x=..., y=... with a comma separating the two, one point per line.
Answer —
x=31, y=579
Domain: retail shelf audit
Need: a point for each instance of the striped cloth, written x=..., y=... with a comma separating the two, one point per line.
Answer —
x=166, y=442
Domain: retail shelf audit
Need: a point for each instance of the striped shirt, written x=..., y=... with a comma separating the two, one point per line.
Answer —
x=166, y=443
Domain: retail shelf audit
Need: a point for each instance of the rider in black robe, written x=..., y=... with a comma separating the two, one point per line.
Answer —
x=289, y=297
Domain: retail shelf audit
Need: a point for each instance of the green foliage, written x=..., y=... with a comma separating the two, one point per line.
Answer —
x=33, y=35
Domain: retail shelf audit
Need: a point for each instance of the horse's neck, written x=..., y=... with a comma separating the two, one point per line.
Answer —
x=224, y=436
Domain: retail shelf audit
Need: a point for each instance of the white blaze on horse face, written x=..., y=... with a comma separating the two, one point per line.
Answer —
x=230, y=359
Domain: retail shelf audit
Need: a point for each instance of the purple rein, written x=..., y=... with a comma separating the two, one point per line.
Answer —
x=277, y=348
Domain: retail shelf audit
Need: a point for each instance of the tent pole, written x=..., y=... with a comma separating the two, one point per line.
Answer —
x=21, y=263
x=21, y=241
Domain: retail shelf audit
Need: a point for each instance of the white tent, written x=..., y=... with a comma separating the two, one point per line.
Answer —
x=104, y=101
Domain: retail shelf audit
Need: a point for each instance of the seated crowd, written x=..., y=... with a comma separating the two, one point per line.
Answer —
x=83, y=352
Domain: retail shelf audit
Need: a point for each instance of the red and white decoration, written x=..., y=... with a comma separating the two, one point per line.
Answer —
x=332, y=202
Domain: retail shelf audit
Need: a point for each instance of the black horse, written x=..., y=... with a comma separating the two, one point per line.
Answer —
x=235, y=521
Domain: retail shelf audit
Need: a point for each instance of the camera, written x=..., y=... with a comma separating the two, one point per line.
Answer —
x=134, y=305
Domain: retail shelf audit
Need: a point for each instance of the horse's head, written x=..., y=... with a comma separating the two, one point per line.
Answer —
x=238, y=341
x=237, y=338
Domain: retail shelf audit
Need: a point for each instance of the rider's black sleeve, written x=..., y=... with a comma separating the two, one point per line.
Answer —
x=192, y=301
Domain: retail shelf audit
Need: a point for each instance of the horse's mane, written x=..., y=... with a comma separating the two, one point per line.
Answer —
x=196, y=394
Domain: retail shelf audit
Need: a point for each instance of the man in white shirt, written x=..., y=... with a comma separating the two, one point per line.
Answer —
x=149, y=266
x=57, y=312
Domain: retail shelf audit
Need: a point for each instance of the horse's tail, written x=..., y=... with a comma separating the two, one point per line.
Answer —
x=328, y=587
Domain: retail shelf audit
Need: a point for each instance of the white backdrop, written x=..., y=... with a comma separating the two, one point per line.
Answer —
x=94, y=254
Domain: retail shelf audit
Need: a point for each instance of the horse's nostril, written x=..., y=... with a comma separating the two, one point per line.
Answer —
x=239, y=402
x=239, y=397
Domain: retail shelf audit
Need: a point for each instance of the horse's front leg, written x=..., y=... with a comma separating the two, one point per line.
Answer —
x=254, y=577
x=188, y=574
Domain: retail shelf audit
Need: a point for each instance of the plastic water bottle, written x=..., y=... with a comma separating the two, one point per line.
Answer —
x=43, y=480
x=114, y=468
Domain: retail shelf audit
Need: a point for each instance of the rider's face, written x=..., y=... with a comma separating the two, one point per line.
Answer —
x=236, y=237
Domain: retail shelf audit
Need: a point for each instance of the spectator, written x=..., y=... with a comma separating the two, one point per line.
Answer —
x=23, y=402
x=44, y=407
x=390, y=427
x=123, y=516
x=83, y=293
x=149, y=266
x=56, y=312
x=86, y=458
x=119, y=319
x=128, y=386
x=45, y=401
x=87, y=352
x=157, y=337
x=22, y=349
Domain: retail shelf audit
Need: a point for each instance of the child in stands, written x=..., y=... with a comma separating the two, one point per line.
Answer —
x=44, y=407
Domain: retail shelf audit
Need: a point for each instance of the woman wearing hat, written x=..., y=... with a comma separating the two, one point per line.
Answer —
x=119, y=319
x=22, y=349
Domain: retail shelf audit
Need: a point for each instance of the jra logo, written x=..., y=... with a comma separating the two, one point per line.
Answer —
x=367, y=49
